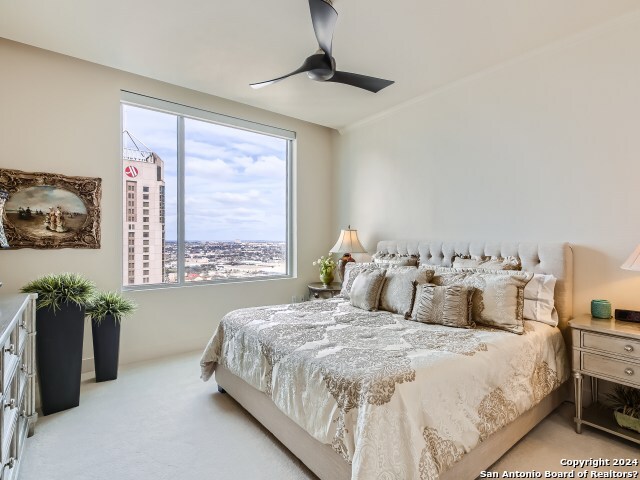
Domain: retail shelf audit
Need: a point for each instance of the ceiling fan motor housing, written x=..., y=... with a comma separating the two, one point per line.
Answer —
x=324, y=73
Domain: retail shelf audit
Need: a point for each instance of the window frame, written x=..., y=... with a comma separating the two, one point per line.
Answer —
x=182, y=112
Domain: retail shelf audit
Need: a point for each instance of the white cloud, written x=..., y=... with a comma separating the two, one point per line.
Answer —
x=267, y=166
x=198, y=167
x=205, y=150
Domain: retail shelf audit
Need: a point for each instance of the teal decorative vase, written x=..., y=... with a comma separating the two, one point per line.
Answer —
x=600, y=309
x=326, y=278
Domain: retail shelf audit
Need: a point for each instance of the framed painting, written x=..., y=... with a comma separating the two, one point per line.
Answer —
x=48, y=210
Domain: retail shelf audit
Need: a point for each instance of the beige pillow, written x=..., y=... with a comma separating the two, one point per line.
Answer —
x=366, y=288
x=498, y=300
x=351, y=271
x=488, y=263
x=399, y=289
x=394, y=259
x=449, y=306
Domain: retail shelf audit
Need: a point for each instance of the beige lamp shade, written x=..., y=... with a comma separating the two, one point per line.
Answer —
x=348, y=242
x=633, y=262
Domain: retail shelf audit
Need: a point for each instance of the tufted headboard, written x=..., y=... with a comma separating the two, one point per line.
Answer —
x=550, y=258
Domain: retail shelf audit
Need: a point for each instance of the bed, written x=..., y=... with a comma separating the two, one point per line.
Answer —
x=372, y=395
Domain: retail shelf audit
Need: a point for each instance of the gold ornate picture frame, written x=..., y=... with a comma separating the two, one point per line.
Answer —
x=49, y=210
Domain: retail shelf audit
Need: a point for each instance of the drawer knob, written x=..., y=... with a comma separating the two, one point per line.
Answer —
x=10, y=404
x=23, y=324
x=628, y=371
x=23, y=367
x=11, y=463
x=628, y=348
x=11, y=349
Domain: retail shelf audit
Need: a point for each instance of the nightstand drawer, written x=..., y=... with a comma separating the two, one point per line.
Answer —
x=616, y=345
x=610, y=367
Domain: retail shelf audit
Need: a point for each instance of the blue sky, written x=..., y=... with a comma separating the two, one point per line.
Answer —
x=235, y=180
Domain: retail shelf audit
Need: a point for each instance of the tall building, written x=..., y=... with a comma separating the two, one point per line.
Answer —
x=144, y=214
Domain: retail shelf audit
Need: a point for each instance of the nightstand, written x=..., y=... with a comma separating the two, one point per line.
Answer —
x=608, y=350
x=319, y=291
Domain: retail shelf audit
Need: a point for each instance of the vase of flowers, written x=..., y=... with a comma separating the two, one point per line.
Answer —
x=326, y=265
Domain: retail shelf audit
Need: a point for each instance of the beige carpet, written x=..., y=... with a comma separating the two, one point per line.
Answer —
x=159, y=421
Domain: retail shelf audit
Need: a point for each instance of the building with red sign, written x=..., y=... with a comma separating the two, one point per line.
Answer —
x=143, y=203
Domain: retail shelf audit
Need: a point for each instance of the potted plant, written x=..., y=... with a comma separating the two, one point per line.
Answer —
x=626, y=404
x=326, y=266
x=107, y=309
x=60, y=325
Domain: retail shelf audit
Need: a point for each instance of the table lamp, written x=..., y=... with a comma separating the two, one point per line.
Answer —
x=632, y=263
x=347, y=244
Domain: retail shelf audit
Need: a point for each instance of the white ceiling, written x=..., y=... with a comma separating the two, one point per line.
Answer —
x=220, y=47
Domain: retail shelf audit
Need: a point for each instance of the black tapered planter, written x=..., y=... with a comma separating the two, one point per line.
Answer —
x=106, y=347
x=59, y=356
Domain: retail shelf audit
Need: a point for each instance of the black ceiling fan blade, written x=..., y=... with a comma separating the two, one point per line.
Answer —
x=372, y=84
x=324, y=18
x=313, y=62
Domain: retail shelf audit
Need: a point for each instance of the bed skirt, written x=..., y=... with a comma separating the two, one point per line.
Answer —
x=322, y=460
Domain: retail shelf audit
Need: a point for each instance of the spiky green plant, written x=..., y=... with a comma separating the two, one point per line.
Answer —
x=56, y=289
x=109, y=303
x=625, y=400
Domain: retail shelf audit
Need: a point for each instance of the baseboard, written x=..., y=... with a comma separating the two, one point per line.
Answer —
x=87, y=365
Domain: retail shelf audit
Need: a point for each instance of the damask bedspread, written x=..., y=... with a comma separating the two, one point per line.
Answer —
x=397, y=399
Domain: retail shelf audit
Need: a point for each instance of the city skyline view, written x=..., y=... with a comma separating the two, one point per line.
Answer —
x=235, y=180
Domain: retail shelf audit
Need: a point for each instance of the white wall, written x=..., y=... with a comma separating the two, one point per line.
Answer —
x=62, y=115
x=546, y=148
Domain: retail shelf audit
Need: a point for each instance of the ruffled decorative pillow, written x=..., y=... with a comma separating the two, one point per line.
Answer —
x=448, y=305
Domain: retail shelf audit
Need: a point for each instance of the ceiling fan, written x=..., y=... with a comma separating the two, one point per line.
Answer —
x=321, y=66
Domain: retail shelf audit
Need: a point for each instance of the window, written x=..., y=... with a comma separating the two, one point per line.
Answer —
x=220, y=189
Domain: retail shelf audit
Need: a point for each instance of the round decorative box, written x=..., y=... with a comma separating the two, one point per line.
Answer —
x=600, y=308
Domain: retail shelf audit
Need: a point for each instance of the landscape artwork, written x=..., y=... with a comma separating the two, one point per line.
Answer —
x=48, y=210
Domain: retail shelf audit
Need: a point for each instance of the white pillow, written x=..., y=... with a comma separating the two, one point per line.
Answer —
x=538, y=300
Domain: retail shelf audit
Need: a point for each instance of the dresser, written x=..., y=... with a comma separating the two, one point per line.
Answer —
x=608, y=350
x=17, y=379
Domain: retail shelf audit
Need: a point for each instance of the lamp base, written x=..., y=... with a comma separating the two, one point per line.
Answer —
x=627, y=315
x=342, y=263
